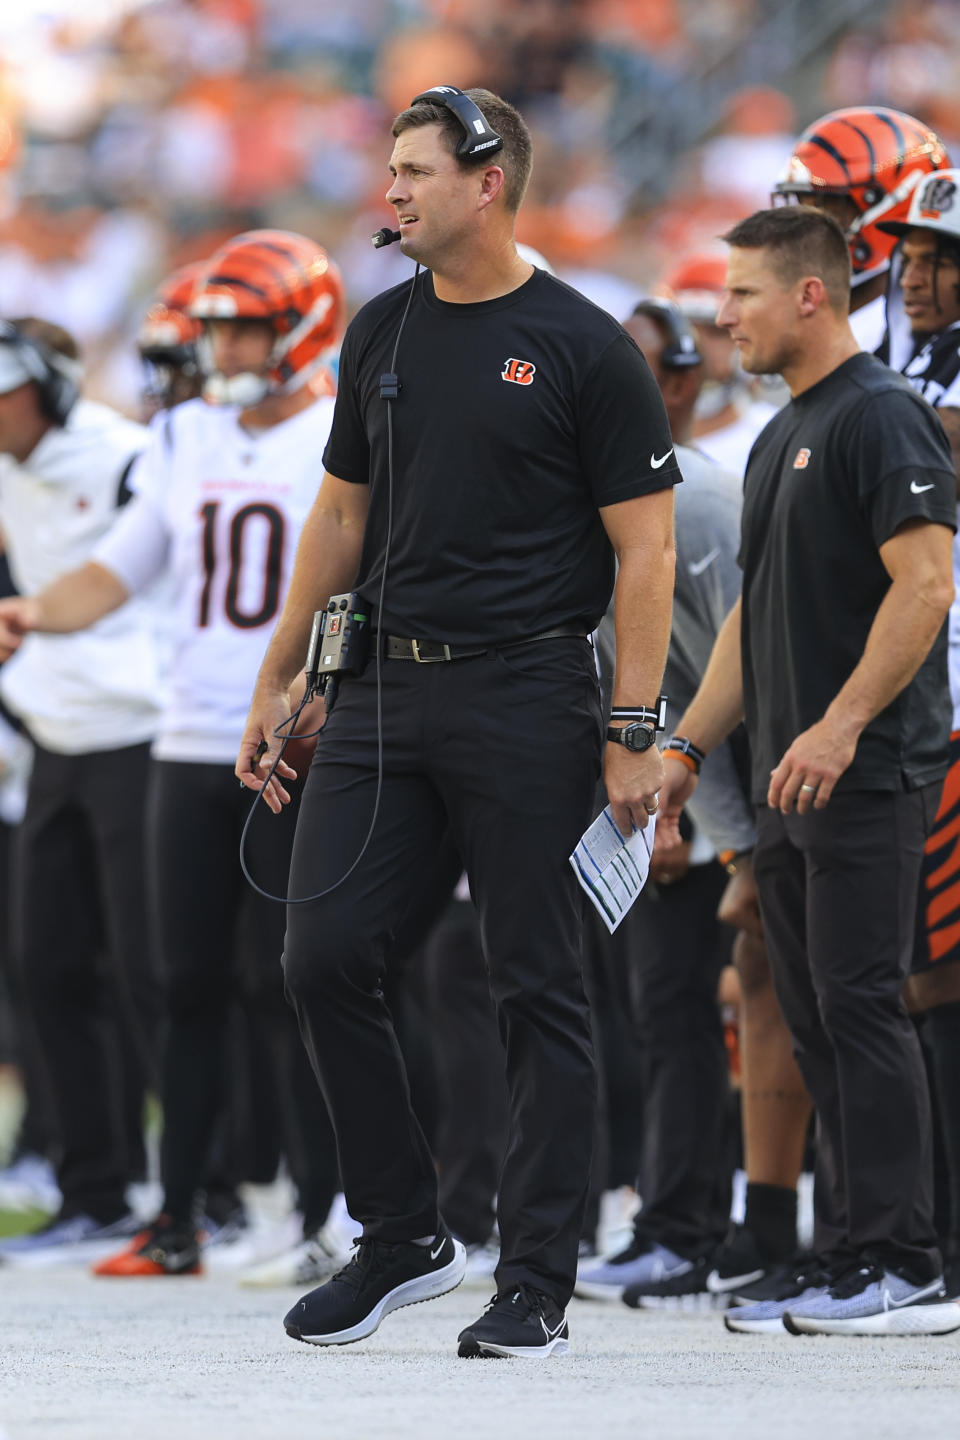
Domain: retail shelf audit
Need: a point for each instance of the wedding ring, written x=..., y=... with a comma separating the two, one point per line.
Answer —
x=811, y=788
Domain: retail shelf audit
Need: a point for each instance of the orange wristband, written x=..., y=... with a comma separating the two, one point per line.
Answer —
x=684, y=759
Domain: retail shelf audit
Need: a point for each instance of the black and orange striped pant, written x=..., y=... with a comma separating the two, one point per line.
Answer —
x=938, y=927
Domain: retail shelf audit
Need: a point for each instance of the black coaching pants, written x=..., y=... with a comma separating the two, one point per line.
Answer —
x=505, y=749
x=83, y=946
x=678, y=950
x=838, y=894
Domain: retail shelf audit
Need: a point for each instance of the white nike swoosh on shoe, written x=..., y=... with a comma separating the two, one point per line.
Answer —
x=928, y=1291
x=435, y=1253
x=697, y=567
x=655, y=464
x=919, y=489
x=552, y=1334
x=721, y=1285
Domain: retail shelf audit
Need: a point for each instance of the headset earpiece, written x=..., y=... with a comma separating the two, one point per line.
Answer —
x=479, y=137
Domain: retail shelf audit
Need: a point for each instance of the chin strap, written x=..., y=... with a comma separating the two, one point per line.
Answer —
x=244, y=390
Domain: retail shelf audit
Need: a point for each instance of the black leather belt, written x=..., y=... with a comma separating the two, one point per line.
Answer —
x=429, y=652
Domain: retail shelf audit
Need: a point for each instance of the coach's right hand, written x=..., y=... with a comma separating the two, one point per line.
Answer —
x=261, y=745
x=19, y=614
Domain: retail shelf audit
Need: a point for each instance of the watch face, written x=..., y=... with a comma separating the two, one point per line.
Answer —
x=639, y=737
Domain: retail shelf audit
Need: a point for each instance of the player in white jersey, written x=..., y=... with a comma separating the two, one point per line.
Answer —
x=90, y=703
x=221, y=493
x=927, y=276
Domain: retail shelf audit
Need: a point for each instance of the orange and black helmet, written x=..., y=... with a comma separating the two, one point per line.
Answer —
x=169, y=343
x=168, y=333
x=287, y=280
x=696, y=285
x=875, y=157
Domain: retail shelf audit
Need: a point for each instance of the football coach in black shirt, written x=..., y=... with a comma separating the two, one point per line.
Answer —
x=528, y=444
x=836, y=657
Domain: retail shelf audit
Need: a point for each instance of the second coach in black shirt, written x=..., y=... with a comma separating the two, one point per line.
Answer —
x=848, y=514
x=529, y=444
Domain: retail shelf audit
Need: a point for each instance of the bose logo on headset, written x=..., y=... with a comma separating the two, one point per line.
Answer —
x=478, y=134
x=56, y=376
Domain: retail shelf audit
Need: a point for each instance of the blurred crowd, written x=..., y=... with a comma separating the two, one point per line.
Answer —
x=136, y=134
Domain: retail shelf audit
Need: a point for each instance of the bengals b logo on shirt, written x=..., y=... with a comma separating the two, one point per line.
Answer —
x=520, y=372
x=802, y=460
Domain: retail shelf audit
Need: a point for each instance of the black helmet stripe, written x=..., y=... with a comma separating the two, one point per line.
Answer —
x=236, y=282
x=901, y=139
x=867, y=142
x=276, y=271
x=288, y=253
x=834, y=154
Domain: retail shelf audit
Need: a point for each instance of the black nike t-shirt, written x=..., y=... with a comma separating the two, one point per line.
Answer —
x=830, y=479
x=517, y=419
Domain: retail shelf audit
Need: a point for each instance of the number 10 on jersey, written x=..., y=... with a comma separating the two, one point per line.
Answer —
x=249, y=551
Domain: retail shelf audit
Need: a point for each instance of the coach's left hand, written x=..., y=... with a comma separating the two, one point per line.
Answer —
x=810, y=769
x=633, y=783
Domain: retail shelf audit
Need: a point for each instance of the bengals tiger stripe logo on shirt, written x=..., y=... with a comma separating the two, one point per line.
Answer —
x=520, y=372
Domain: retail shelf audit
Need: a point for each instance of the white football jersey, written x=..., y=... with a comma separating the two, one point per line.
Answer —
x=869, y=324
x=730, y=447
x=100, y=688
x=222, y=507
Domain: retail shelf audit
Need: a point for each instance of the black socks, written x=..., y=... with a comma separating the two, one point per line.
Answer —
x=771, y=1218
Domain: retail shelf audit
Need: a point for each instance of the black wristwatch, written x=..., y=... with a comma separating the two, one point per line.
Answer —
x=636, y=737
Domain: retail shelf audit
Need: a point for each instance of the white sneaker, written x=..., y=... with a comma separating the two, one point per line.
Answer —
x=311, y=1262
x=482, y=1261
x=341, y=1223
x=30, y=1183
x=617, y=1211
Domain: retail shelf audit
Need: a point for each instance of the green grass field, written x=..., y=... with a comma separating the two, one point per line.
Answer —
x=18, y=1222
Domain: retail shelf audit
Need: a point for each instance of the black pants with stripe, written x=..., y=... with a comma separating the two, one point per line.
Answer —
x=838, y=894
x=504, y=748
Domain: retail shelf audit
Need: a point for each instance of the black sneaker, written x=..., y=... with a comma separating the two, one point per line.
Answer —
x=777, y=1281
x=522, y=1321
x=689, y=1291
x=381, y=1277
x=161, y=1248
x=738, y=1263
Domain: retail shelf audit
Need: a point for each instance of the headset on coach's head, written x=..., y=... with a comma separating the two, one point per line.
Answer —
x=57, y=377
x=680, y=352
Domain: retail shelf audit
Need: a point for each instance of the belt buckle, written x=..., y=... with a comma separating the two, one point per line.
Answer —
x=429, y=659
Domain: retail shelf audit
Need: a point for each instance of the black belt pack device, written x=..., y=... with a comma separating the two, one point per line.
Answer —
x=339, y=641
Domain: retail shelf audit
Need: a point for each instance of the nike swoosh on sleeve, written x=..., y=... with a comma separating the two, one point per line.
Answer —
x=655, y=463
x=697, y=567
x=919, y=489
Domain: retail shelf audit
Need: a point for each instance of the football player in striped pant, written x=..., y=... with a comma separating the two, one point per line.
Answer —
x=928, y=279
